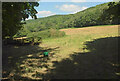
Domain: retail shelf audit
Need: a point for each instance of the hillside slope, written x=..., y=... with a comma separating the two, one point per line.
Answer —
x=89, y=17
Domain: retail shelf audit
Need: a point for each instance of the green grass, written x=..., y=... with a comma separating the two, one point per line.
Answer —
x=100, y=50
x=73, y=42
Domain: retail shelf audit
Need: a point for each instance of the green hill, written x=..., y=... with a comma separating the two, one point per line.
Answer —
x=89, y=17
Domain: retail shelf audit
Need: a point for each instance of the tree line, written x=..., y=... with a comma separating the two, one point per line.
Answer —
x=15, y=14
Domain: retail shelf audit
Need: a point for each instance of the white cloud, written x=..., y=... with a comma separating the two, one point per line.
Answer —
x=82, y=8
x=45, y=13
x=71, y=8
x=57, y=6
x=29, y=18
x=54, y=0
x=78, y=0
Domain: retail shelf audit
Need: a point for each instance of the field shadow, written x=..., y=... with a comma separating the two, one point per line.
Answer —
x=13, y=57
x=101, y=62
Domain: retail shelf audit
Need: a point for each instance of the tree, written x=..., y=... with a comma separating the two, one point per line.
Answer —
x=112, y=14
x=14, y=13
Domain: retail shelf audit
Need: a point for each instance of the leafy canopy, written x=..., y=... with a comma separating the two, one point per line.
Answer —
x=13, y=13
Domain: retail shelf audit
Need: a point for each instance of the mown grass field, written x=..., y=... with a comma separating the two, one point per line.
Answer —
x=75, y=39
x=84, y=53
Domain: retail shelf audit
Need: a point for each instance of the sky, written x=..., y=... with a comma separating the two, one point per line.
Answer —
x=63, y=7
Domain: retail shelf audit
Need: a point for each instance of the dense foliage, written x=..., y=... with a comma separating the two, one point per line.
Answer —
x=97, y=15
x=112, y=14
x=12, y=15
x=50, y=33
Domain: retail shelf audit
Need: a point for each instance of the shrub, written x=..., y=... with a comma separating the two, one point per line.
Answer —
x=51, y=33
x=36, y=37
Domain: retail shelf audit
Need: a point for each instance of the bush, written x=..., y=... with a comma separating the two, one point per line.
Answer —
x=36, y=37
x=55, y=33
x=33, y=37
x=51, y=33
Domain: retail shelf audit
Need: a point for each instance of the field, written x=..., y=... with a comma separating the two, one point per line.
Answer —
x=75, y=39
x=84, y=53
